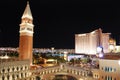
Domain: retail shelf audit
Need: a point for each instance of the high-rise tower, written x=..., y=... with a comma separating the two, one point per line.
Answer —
x=26, y=35
x=88, y=43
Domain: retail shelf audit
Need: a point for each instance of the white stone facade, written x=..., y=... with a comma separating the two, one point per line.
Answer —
x=109, y=69
x=15, y=70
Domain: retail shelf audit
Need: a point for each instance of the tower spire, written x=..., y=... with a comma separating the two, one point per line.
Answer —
x=27, y=2
x=26, y=35
x=27, y=13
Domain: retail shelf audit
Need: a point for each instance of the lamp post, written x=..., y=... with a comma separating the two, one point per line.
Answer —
x=52, y=50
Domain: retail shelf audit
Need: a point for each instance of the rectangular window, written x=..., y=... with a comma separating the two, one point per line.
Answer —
x=29, y=29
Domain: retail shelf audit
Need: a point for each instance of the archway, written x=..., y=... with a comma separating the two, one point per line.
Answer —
x=64, y=77
x=38, y=78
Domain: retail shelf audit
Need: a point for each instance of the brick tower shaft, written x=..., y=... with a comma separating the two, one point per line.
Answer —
x=26, y=35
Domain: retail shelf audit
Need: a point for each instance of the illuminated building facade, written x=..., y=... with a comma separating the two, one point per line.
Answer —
x=26, y=35
x=109, y=67
x=112, y=45
x=11, y=69
x=88, y=43
x=20, y=69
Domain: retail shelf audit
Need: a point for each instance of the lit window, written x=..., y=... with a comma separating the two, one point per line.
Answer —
x=102, y=68
x=105, y=68
x=110, y=69
x=114, y=70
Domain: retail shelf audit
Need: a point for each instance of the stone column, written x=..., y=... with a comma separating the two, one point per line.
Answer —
x=0, y=77
x=10, y=69
x=10, y=77
x=19, y=75
x=5, y=77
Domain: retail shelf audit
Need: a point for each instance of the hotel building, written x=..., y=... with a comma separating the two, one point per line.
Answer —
x=88, y=43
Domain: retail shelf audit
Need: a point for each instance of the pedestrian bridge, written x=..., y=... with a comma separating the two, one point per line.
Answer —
x=62, y=69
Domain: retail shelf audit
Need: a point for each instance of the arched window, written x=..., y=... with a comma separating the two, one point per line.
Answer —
x=22, y=75
x=3, y=77
x=13, y=69
x=25, y=74
x=3, y=70
x=8, y=69
x=17, y=68
x=8, y=77
x=25, y=67
x=21, y=68
x=13, y=76
x=17, y=76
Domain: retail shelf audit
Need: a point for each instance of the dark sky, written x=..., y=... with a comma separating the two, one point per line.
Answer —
x=57, y=21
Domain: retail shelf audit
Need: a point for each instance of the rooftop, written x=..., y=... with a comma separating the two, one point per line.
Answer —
x=112, y=56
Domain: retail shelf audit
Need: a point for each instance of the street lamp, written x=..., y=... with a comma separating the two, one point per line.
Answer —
x=52, y=50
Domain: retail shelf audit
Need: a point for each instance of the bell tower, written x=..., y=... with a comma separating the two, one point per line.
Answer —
x=26, y=35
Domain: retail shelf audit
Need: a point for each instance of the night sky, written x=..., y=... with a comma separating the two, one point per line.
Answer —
x=57, y=21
